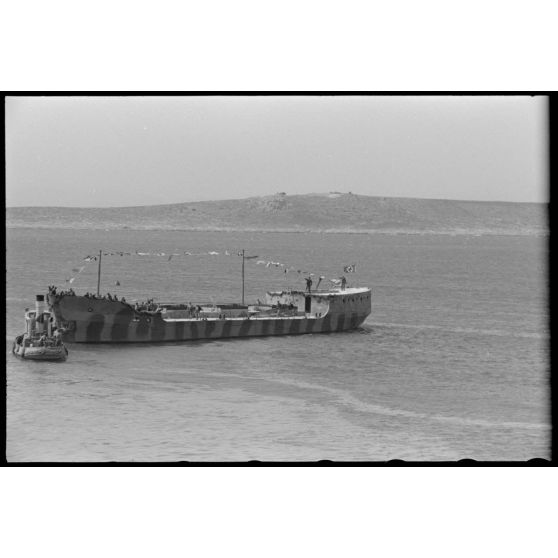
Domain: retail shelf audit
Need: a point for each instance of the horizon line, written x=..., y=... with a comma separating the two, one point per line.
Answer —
x=321, y=194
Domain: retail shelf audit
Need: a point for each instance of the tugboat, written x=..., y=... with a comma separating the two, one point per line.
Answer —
x=42, y=340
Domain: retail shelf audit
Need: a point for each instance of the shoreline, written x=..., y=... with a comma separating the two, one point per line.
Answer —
x=392, y=232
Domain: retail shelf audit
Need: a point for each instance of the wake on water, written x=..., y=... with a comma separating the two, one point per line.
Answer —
x=472, y=331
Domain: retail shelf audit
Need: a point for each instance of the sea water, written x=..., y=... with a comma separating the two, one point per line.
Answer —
x=452, y=363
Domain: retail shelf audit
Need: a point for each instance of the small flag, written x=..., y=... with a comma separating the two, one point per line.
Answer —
x=349, y=268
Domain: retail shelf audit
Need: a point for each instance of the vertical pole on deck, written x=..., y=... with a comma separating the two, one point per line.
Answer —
x=99, y=273
x=243, y=276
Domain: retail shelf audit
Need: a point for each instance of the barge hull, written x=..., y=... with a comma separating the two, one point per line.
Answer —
x=102, y=321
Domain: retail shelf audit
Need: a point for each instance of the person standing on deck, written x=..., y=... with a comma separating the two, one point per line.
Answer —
x=343, y=283
x=309, y=284
x=57, y=337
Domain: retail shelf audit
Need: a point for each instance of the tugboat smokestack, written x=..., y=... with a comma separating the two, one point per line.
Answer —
x=39, y=304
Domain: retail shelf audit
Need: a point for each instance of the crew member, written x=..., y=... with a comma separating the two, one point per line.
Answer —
x=57, y=337
x=309, y=284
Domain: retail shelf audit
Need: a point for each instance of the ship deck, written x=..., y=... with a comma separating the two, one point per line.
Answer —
x=326, y=292
x=243, y=319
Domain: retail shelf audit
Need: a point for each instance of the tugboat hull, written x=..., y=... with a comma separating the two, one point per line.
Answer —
x=40, y=353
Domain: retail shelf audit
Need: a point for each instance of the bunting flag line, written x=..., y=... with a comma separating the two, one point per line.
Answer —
x=268, y=263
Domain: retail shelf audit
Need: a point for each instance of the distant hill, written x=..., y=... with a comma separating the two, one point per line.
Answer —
x=333, y=212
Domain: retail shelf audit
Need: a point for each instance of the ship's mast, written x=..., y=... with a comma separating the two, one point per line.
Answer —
x=243, y=276
x=99, y=273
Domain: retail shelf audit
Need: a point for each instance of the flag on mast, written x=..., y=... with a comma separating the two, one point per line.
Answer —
x=349, y=268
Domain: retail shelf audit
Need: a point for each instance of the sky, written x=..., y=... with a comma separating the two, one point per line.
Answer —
x=130, y=151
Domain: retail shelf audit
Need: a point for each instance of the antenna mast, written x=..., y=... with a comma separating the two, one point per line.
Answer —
x=243, y=276
x=99, y=273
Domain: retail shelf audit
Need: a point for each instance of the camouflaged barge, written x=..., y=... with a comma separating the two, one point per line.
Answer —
x=98, y=320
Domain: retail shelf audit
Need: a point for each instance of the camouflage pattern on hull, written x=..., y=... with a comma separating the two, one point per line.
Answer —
x=88, y=320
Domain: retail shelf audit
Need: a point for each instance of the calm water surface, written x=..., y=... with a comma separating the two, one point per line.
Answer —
x=452, y=363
